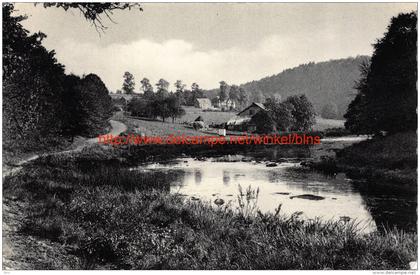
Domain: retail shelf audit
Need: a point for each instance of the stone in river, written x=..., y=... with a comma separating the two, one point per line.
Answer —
x=281, y=193
x=272, y=164
x=219, y=202
x=308, y=197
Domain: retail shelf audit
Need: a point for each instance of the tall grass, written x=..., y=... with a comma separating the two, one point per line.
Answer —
x=115, y=218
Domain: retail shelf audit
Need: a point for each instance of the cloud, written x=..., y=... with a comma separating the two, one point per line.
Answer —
x=178, y=59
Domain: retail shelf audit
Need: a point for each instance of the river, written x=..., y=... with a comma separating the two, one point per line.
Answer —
x=280, y=179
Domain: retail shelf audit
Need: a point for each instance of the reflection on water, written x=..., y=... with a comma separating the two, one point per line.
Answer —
x=390, y=206
x=274, y=171
x=211, y=179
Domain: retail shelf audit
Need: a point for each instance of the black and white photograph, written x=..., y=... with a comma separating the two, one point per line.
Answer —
x=209, y=136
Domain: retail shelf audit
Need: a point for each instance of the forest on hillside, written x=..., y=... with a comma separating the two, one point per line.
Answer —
x=328, y=85
x=323, y=83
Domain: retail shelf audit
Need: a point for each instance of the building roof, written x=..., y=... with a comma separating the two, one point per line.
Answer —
x=199, y=118
x=259, y=105
x=238, y=120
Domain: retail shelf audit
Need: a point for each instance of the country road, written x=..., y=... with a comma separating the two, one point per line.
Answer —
x=116, y=129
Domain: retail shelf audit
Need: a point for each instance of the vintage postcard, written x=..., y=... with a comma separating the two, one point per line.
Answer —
x=209, y=136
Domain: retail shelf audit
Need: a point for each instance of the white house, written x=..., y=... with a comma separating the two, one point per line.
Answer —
x=203, y=103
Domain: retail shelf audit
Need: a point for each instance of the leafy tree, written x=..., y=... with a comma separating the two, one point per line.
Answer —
x=128, y=84
x=357, y=120
x=41, y=105
x=235, y=93
x=118, y=92
x=180, y=87
x=329, y=111
x=162, y=89
x=243, y=97
x=141, y=108
x=95, y=105
x=147, y=89
x=281, y=113
x=196, y=92
x=72, y=109
x=175, y=109
x=180, y=91
x=387, y=99
x=188, y=97
x=224, y=91
x=303, y=112
x=264, y=122
x=32, y=87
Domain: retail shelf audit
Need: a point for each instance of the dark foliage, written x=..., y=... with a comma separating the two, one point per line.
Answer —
x=128, y=84
x=387, y=99
x=93, y=12
x=302, y=111
x=42, y=105
x=281, y=113
x=169, y=106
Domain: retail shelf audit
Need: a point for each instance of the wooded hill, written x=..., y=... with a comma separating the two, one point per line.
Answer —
x=323, y=83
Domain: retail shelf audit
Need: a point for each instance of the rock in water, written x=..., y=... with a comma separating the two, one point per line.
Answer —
x=219, y=202
x=308, y=197
x=281, y=193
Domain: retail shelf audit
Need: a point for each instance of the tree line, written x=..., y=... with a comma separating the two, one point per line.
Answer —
x=42, y=105
x=387, y=90
x=185, y=96
x=163, y=103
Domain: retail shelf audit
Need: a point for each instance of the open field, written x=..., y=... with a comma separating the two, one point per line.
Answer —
x=151, y=127
x=158, y=128
x=90, y=213
x=191, y=113
x=323, y=123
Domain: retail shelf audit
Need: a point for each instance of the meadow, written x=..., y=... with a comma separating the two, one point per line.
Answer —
x=159, y=128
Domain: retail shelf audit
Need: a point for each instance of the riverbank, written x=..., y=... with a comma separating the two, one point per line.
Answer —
x=388, y=160
x=90, y=212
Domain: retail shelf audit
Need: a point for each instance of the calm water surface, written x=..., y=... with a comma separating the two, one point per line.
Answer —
x=329, y=198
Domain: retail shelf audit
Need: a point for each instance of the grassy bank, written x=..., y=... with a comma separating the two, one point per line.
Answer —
x=103, y=215
x=384, y=160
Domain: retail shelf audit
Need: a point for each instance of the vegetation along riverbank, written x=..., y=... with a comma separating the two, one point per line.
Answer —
x=107, y=216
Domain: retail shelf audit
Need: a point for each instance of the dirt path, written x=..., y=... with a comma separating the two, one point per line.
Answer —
x=14, y=246
x=116, y=129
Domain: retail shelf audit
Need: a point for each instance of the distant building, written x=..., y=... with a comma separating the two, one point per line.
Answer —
x=252, y=109
x=225, y=105
x=203, y=103
x=246, y=120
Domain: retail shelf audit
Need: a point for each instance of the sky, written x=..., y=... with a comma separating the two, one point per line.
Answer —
x=210, y=42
